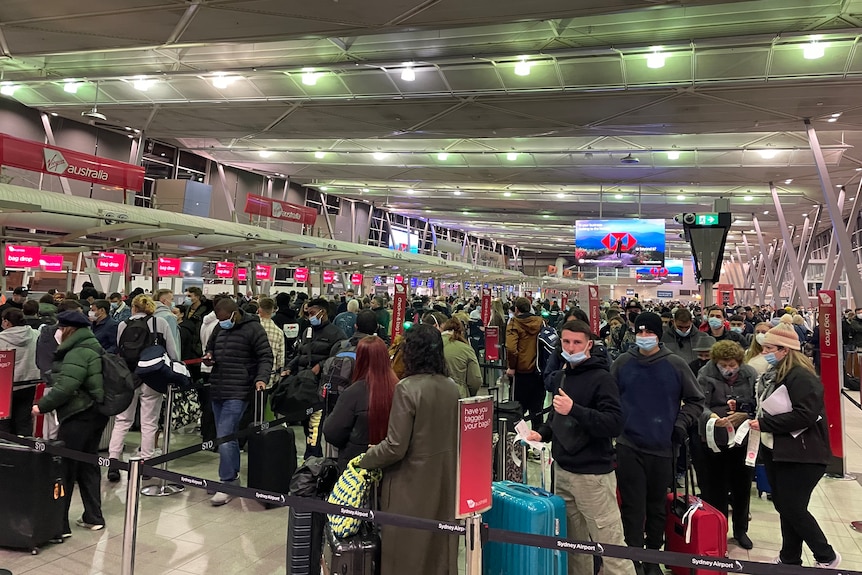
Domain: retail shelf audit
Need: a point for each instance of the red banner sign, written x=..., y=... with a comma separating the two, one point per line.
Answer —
x=300, y=275
x=263, y=272
x=475, y=466
x=328, y=276
x=492, y=343
x=399, y=309
x=7, y=370
x=224, y=269
x=38, y=157
x=564, y=300
x=595, y=313
x=356, y=279
x=23, y=256
x=242, y=274
x=831, y=374
x=111, y=262
x=529, y=295
x=169, y=267
x=399, y=279
x=725, y=294
x=51, y=262
x=261, y=206
x=486, y=306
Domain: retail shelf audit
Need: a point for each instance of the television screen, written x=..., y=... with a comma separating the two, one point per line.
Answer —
x=670, y=273
x=403, y=241
x=620, y=243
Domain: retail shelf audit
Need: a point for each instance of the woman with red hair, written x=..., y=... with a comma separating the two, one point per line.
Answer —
x=361, y=414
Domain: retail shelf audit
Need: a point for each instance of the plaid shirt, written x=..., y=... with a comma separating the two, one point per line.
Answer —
x=276, y=342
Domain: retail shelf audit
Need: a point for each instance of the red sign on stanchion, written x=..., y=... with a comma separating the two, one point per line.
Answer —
x=224, y=269
x=831, y=374
x=169, y=267
x=595, y=313
x=242, y=274
x=111, y=262
x=328, y=276
x=300, y=275
x=51, y=262
x=564, y=300
x=22, y=256
x=356, y=279
x=486, y=306
x=492, y=343
x=475, y=466
x=7, y=370
x=263, y=272
x=399, y=310
x=529, y=295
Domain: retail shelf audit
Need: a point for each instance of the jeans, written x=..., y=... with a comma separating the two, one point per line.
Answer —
x=151, y=408
x=82, y=432
x=227, y=415
x=643, y=480
x=208, y=429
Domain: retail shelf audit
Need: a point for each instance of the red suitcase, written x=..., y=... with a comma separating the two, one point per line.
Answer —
x=698, y=531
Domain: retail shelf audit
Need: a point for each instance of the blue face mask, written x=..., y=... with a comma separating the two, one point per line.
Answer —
x=226, y=323
x=314, y=320
x=574, y=358
x=646, y=343
x=736, y=329
x=681, y=333
x=771, y=359
x=114, y=306
x=715, y=322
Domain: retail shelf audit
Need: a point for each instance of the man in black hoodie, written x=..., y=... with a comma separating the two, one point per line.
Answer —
x=585, y=419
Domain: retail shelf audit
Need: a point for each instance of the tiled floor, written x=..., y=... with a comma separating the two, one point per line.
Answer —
x=183, y=534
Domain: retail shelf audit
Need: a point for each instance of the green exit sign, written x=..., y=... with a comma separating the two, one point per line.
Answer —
x=707, y=219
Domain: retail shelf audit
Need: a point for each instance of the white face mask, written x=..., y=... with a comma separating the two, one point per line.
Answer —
x=58, y=336
x=760, y=337
x=91, y=314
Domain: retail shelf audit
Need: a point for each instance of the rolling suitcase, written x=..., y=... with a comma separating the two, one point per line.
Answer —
x=357, y=555
x=694, y=527
x=271, y=455
x=315, y=478
x=31, y=497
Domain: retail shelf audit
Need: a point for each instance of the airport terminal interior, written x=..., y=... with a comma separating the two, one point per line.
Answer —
x=526, y=148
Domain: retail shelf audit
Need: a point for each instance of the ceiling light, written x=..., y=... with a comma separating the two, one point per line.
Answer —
x=512, y=156
x=55, y=114
x=221, y=81
x=765, y=212
x=131, y=136
x=408, y=75
x=629, y=159
x=8, y=89
x=265, y=153
x=380, y=155
x=814, y=49
x=319, y=155
x=836, y=115
x=321, y=188
x=561, y=196
x=618, y=196
x=141, y=83
x=546, y=216
x=832, y=120
x=507, y=194
x=364, y=190
x=410, y=190
x=788, y=181
x=442, y=156
x=522, y=68
x=673, y=155
x=680, y=197
x=457, y=192
x=851, y=199
x=309, y=77
x=71, y=86
x=656, y=58
x=748, y=198
x=768, y=154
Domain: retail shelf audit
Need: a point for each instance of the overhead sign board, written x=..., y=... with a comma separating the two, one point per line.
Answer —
x=22, y=256
x=270, y=208
x=706, y=220
x=300, y=275
x=51, y=262
x=356, y=279
x=224, y=269
x=328, y=276
x=111, y=262
x=263, y=272
x=169, y=267
x=242, y=274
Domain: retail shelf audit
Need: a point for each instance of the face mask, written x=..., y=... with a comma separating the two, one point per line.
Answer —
x=859, y=315
x=58, y=336
x=633, y=316
x=760, y=338
x=646, y=343
x=736, y=329
x=91, y=314
x=574, y=358
x=728, y=372
x=715, y=322
x=771, y=359
x=774, y=321
x=681, y=333
x=511, y=314
x=114, y=306
x=314, y=320
x=226, y=323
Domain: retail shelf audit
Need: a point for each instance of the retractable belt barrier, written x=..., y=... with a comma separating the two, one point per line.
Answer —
x=309, y=504
x=853, y=401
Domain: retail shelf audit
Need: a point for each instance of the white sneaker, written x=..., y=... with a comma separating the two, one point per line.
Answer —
x=220, y=499
x=832, y=564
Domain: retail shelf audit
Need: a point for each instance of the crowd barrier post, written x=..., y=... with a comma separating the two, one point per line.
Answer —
x=163, y=488
x=130, y=522
x=473, y=555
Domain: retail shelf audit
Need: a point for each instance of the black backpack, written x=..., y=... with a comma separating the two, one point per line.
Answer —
x=137, y=336
x=336, y=375
x=118, y=383
x=546, y=345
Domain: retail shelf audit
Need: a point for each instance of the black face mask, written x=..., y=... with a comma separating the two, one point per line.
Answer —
x=633, y=316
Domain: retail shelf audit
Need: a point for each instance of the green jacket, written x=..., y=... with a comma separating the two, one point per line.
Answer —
x=463, y=365
x=77, y=375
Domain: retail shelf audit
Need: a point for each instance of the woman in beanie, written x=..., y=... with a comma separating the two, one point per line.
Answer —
x=794, y=445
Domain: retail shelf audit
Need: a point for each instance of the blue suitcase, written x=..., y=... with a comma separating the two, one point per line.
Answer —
x=519, y=507
x=761, y=481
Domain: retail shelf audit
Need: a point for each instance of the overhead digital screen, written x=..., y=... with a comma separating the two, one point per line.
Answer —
x=670, y=273
x=403, y=241
x=620, y=243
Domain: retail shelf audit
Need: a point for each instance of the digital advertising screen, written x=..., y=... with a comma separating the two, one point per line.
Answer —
x=670, y=273
x=403, y=241
x=620, y=243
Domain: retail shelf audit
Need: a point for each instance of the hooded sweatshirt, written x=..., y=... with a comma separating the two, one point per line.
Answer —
x=22, y=338
x=207, y=326
x=522, y=333
x=651, y=389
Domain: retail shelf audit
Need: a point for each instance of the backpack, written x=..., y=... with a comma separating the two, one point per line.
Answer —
x=336, y=376
x=546, y=345
x=137, y=336
x=118, y=383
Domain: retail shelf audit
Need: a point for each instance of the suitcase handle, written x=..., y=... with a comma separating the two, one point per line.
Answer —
x=259, y=406
x=529, y=489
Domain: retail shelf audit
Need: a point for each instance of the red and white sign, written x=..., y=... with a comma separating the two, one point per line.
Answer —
x=263, y=272
x=492, y=343
x=831, y=374
x=38, y=157
x=399, y=309
x=356, y=279
x=595, y=313
x=51, y=262
x=111, y=262
x=564, y=300
x=300, y=275
x=475, y=466
x=169, y=267
x=328, y=276
x=486, y=306
x=7, y=370
x=529, y=295
x=242, y=274
x=725, y=294
x=224, y=269
x=261, y=206
x=399, y=279
x=23, y=256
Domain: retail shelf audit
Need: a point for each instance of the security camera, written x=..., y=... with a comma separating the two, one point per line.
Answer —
x=687, y=218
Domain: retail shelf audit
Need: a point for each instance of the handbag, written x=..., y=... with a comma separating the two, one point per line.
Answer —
x=185, y=409
x=352, y=490
x=296, y=394
x=158, y=370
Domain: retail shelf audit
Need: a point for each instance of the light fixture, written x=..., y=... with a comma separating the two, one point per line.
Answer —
x=765, y=212
x=55, y=114
x=814, y=49
x=748, y=198
x=457, y=192
x=656, y=58
x=8, y=89
x=673, y=155
x=221, y=81
x=442, y=156
x=507, y=194
x=410, y=190
x=546, y=216
x=788, y=181
x=512, y=156
x=522, y=68
x=618, y=196
x=309, y=77
x=71, y=86
x=321, y=188
x=142, y=84
x=859, y=169
x=832, y=120
x=364, y=190
x=319, y=154
x=561, y=196
x=836, y=115
x=851, y=199
x=680, y=197
x=265, y=153
x=380, y=155
x=408, y=75
x=768, y=154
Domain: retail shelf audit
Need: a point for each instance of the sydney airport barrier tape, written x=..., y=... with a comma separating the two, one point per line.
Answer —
x=307, y=504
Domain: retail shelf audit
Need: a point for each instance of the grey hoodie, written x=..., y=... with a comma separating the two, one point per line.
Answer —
x=22, y=339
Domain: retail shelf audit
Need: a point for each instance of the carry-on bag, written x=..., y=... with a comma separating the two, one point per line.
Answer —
x=271, y=454
x=694, y=527
x=356, y=555
x=314, y=478
x=32, y=497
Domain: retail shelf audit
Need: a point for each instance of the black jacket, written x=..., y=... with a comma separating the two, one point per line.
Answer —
x=346, y=428
x=315, y=345
x=806, y=398
x=582, y=440
x=242, y=356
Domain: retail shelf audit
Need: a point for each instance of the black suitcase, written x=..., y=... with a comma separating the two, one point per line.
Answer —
x=357, y=555
x=271, y=455
x=315, y=478
x=31, y=497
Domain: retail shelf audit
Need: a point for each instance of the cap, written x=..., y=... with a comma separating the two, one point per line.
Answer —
x=704, y=343
x=634, y=304
x=72, y=319
x=20, y=290
x=783, y=335
x=649, y=321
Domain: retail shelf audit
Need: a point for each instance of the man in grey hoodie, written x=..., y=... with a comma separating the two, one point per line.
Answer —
x=164, y=309
x=21, y=338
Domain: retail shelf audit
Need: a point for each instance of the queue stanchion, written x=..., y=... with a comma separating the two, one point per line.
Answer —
x=163, y=488
x=130, y=521
x=473, y=554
